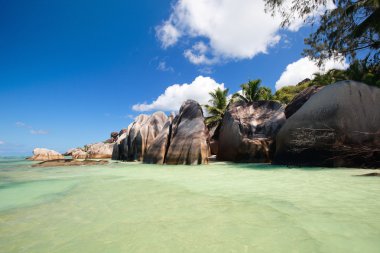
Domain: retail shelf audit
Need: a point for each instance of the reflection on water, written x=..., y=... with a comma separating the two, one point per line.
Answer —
x=215, y=208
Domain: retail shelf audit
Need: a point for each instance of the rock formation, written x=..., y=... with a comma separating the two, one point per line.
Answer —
x=156, y=152
x=248, y=130
x=147, y=133
x=189, y=136
x=118, y=152
x=140, y=136
x=300, y=99
x=79, y=154
x=338, y=126
x=43, y=154
x=100, y=150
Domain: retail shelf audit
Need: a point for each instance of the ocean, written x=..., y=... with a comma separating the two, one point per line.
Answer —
x=221, y=207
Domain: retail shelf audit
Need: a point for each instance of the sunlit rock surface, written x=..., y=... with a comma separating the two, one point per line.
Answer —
x=189, y=136
x=43, y=154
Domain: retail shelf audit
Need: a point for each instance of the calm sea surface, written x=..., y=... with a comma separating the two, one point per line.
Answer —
x=215, y=208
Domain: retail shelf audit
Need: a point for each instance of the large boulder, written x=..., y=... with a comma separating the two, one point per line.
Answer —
x=141, y=135
x=189, y=136
x=43, y=154
x=100, y=150
x=156, y=152
x=338, y=126
x=118, y=152
x=129, y=148
x=248, y=130
x=79, y=154
x=147, y=133
x=301, y=99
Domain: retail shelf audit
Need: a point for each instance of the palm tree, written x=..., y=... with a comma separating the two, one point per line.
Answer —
x=331, y=76
x=252, y=91
x=217, y=107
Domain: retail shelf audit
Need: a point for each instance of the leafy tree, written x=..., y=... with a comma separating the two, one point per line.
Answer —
x=332, y=76
x=287, y=93
x=265, y=93
x=351, y=26
x=365, y=71
x=252, y=91
x=217, y=107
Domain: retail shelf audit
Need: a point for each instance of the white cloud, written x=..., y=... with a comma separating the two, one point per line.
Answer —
x=31, y=129
x=167, y=34
x=175, y=95
x=162, y=65
x=38, y=132
x=2, y=142
x=234, y=29
x=197, y=54
x=305, y=68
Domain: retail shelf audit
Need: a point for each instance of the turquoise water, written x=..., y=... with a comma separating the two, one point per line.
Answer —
x=216, y=208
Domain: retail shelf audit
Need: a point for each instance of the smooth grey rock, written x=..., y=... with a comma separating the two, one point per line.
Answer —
x=337, y=127
x=248, y=130
x=189, y=136
x=301, y=99
x=156, y=152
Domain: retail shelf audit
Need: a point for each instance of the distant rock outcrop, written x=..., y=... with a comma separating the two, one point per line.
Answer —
x=338, y=126
x=189, y=136
x=300, y=99
x=248, y=130
x=43, y=154
x=100, y=150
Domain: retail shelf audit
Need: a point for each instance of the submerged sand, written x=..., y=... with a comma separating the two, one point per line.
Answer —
x=216, y=208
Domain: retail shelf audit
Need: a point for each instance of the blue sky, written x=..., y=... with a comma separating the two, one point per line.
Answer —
x=73, y=71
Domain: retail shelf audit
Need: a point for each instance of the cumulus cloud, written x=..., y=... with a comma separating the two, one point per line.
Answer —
x=305, y=68
x=175, y=95
x=197, y=54
x=168, y=34
x=234, y=29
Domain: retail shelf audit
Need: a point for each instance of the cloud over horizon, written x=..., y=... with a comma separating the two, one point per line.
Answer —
x=31, y=129
x=304, y=68
x=176, y=94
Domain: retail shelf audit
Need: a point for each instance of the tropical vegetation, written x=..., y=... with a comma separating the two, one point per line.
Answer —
x=345, y=29
x=253, y=91
x=217, y=107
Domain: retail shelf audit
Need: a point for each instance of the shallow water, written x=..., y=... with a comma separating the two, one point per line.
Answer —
x=216, y=208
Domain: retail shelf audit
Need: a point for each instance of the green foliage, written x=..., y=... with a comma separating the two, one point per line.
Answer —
x=365, y=71
x=352, y=26
x=252, y=91
x=217, y=107
x=287, y=93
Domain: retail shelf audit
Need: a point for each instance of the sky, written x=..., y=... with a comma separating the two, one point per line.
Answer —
x=73, y=71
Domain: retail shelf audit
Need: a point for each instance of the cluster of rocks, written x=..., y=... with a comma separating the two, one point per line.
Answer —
x=337, y=125
x=159, y=139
